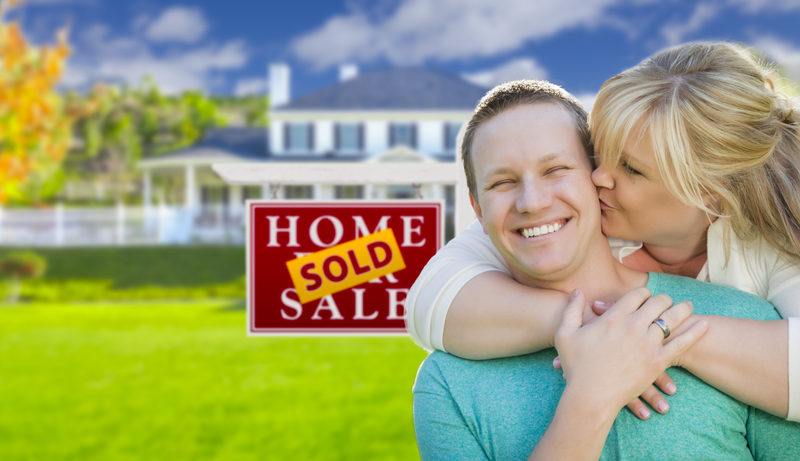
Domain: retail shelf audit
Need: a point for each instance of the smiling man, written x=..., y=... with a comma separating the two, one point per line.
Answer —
x=526, y=157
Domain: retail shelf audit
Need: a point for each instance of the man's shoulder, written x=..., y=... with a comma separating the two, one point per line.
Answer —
x=441, y=369
x=712, y=299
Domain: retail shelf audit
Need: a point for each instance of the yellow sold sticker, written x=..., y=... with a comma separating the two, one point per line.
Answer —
x=345, y=265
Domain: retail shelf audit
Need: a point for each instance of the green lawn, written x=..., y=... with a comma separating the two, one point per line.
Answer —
x=182, y=381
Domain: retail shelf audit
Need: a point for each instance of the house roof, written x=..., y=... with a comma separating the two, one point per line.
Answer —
x=234, y=142
x=393, y=89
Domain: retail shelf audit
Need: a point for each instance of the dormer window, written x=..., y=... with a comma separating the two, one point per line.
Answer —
x=349, y=137
x=299, y=137
x=403, y=134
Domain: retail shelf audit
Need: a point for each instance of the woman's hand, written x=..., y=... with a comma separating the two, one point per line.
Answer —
x=619, y=355
x=651, y=395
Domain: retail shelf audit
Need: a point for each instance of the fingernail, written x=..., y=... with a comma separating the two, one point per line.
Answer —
x=556, y=362
x=663, y=407
x=644, y=413
x=671, y=389
x=599, y=303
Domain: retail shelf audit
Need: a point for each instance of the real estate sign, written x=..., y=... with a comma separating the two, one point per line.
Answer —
x=336, y=267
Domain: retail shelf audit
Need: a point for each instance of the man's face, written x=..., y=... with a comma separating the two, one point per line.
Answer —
x=535, y=197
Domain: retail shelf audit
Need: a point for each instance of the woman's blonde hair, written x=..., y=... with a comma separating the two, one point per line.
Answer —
x=725, y=140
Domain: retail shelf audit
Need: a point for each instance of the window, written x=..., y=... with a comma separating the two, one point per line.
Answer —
x=299, y=137
x=349, y=192
x=349, y=137
x=450, y=135
x=401, y=192
x=298, y=192
x=402, y=134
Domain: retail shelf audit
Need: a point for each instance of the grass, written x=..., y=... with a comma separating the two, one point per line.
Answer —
x=182, y=381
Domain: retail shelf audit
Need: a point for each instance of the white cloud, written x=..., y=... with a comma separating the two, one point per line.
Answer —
x=785, y=54
x=178, y=24
x=586, y=100
x=250, y=86
x=516, y=69
x=756, y=6
x=102, y=56
x=676, y=32
x=420, y=30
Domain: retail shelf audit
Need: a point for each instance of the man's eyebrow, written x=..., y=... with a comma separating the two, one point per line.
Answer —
x=498, y=171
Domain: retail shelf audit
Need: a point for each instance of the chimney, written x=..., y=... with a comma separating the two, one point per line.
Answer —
x=279, y=84
x=347, y=71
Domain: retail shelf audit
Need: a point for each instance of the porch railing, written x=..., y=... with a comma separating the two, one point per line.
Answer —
x=121, y=225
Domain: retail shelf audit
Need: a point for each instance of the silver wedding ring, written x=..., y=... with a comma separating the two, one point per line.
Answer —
x=660, y=323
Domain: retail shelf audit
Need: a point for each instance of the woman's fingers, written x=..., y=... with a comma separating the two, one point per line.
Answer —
x=630, y=301
x=572, y=317
x=680, y=343
x=653, y=308
x=673, y=318
x=655, y=399
x=639, y=409
x=665, y=383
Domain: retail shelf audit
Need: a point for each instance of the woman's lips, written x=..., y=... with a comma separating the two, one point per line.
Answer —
x=605, y=205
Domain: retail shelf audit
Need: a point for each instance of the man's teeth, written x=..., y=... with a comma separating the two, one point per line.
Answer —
x=541, y=230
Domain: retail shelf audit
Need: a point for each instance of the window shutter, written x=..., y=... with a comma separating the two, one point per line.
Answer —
x=337, y=142
x=413, y=136
x=311, y=137
x=286, y=144
x=361, y=137
x=391, y=135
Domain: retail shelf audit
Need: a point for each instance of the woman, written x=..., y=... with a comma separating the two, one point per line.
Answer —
x=699, y=160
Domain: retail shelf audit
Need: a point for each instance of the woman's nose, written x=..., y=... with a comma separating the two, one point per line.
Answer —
x=601, y=177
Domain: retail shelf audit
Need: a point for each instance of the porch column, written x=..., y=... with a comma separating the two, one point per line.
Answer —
x=147, y=188
x=190, y=194
x=234, y=198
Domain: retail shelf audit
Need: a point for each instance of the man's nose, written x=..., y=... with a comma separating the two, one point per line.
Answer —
x=601, y=177
x=534, y=196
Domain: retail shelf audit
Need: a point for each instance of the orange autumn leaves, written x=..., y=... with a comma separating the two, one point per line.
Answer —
x=34, y=128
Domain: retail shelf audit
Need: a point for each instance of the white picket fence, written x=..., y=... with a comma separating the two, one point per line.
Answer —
x=121, y=225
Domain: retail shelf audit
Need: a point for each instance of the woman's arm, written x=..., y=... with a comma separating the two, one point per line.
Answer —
x=495, y=316
x=465, y=302
x=746, y=359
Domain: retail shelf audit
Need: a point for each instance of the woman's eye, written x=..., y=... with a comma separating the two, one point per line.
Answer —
x=630, y=170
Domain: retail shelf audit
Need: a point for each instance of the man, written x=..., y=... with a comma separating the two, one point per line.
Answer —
x=526, y=158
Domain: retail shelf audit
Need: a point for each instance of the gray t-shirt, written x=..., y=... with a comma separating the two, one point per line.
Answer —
x=499, y=409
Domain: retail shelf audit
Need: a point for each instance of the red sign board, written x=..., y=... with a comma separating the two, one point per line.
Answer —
x=350, y=262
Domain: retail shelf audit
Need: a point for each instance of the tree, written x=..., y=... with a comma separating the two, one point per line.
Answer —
x=34, y=127
x=115, y=127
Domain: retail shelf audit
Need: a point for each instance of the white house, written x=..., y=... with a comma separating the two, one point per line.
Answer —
x=407, y=115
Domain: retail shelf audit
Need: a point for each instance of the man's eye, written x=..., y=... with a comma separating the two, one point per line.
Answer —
x=499, y=183
x=556, y=169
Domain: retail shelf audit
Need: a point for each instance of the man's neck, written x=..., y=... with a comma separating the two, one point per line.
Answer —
x=600, y=276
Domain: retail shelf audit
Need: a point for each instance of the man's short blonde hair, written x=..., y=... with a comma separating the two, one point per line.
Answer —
x=512, y=94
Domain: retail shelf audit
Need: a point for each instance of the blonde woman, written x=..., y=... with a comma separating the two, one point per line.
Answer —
x=698, y=175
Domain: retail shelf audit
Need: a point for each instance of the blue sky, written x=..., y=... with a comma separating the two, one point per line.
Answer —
x=224, y=47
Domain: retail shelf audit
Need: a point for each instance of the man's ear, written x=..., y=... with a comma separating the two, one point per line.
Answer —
x=476, y=207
